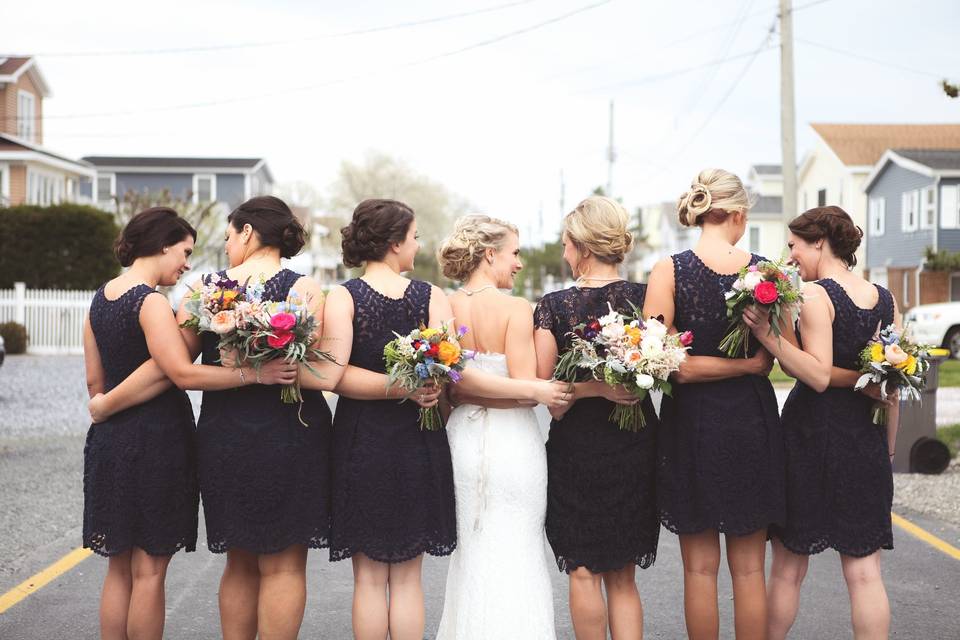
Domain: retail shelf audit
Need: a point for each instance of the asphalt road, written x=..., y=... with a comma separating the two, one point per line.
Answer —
x=40, y=489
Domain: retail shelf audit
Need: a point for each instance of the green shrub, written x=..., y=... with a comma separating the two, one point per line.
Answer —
x=65, y=246
x=14, y=337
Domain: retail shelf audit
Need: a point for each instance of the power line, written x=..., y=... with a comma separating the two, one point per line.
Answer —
x=320, y=85
x=858, y=56
x=274, y=43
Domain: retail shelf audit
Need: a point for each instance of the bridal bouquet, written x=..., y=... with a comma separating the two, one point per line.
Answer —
x=894, y=362
x=624, y=350
x=426, y=355
x=766, y=284
x=257, y=330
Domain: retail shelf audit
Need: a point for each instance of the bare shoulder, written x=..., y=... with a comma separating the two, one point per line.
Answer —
x=813, y=290
x=155, y=302
x=518, y=305
x=436, y=292
x=309, y=286
x=338, y=294
x=662, y=268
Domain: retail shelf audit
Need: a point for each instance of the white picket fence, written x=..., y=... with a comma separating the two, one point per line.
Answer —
x=53, y=318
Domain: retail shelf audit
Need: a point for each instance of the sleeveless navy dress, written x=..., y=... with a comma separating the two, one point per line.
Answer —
x=839, y=479
x=393, y=495
x=721, y=447
x=140, y=465
x=601, y=481
x=264, y=477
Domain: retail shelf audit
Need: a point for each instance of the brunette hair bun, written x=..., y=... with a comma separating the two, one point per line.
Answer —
x=149, y=232
x=835, y=225
x=274, y=223
x=376, y=224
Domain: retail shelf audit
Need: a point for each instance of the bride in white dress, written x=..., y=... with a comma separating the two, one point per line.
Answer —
x=498, y=584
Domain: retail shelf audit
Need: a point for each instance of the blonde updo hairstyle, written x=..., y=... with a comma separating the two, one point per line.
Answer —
x=713, y=196
x=462, y=252
x=599, y=225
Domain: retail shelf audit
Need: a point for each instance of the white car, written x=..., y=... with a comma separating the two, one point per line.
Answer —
x=936, y=324
x=3, y=351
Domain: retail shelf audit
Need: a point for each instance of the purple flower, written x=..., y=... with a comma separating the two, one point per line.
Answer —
x=454, y=375
x=462, y=331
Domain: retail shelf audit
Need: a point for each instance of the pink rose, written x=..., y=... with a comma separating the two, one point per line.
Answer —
x=894, y=354
x=223, y=322
x=280, y=340
x=686, y=338
x=283, y=321
x=765, y=292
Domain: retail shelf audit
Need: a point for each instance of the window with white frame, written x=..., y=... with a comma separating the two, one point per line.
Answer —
x=204, y=188
x=906, y=288
x=822, y=198
x=754, y=239
x=909, y=210
x=106, y=187
x=44, y=188
x=26, y=115
x=949, y=206
x=928, y=208
x=878, y=215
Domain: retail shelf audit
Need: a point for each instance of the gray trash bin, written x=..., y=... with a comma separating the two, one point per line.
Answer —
x=918, y=449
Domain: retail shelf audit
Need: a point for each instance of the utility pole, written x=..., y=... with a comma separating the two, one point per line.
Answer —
x=788, y=126
x=611, y=156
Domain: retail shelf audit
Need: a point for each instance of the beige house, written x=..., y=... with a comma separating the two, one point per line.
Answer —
x=836, y=169
x=765, y=234
x=29, y=172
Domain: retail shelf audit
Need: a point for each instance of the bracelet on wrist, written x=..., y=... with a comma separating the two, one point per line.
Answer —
x=243, y=378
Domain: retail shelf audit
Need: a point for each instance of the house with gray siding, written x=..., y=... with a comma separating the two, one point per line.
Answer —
x=229, y=181
x=913, y=203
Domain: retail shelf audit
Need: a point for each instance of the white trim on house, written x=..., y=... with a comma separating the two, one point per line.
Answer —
x=928, y=207
x=26, y=115
x=170, y=170
x=247, y=182
x=949, y=202
x=197, y=177
x=909, y=210
x=42, y=158
x=906, y=163
x=4, y=182
x=35, y=75
x=113, y=187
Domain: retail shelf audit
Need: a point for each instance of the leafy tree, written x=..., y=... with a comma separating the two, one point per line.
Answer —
x=382, y=176
x=952, y=89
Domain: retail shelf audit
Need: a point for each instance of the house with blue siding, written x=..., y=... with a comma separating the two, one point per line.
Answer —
x=913, y=203
x=229, y=181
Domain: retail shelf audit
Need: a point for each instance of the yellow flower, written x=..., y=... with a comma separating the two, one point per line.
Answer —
x=449, y=353
x=876, y=352
x=228, y=297
x=426, y=334
x=909, y=365
x=634, y=333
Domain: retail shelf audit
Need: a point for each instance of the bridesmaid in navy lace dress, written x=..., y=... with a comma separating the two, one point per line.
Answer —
x=601, y=498
x=839, y=480
x=721, y=449
x=140, y=463
x=393, y=495
x=264, y=477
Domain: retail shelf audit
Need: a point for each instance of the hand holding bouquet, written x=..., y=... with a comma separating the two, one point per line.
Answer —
x=425, y=355
x=768, y=285
x=257, y=330
x=624, y=350
x=895, y=363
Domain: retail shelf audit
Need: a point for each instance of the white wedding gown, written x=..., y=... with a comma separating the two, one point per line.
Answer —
x=498, y=587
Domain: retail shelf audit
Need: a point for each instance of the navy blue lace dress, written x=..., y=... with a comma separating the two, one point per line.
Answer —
x=721, y=447
x=839, y=480
x=601, y=481
x=264, y=477
x=140, y=465
x=393, y=493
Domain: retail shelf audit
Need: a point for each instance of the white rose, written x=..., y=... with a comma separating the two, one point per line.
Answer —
x=655, y=329
x=644, y=381
x=651, y=347
x=752, y=279
x=612, y=331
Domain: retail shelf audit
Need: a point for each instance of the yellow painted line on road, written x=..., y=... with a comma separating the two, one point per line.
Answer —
x=48, y=575
x=924, y=535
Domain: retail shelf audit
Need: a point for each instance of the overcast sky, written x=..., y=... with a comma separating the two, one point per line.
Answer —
x=496, y=123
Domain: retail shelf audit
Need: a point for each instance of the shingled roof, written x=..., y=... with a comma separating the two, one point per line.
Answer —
x=864, y=144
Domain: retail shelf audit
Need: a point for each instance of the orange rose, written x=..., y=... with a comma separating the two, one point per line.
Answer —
x=634, y=333
x=449, y=353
